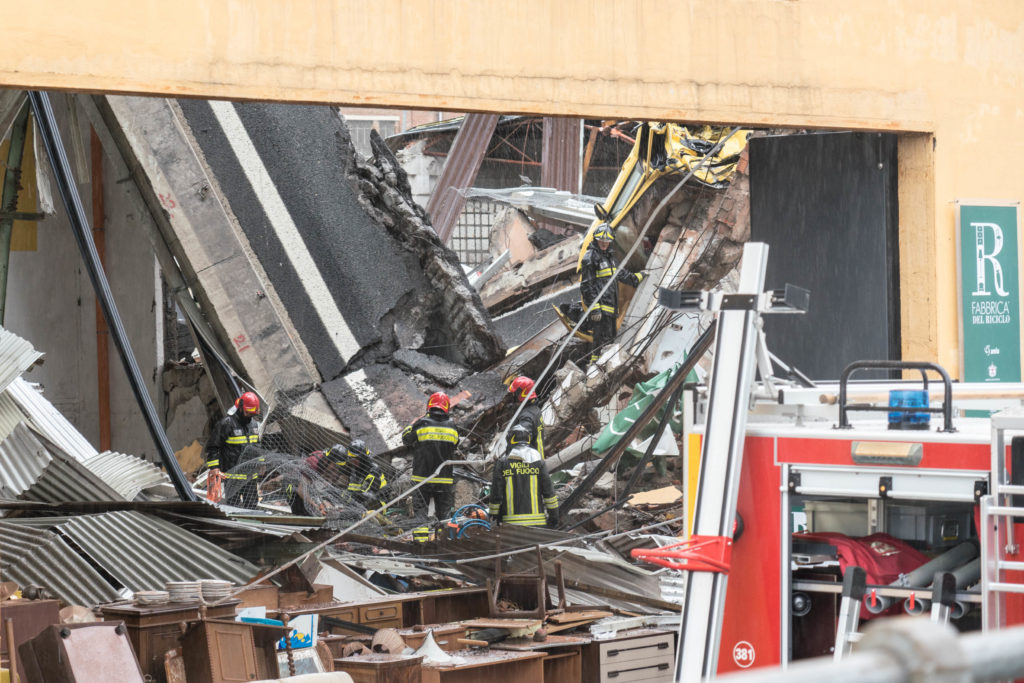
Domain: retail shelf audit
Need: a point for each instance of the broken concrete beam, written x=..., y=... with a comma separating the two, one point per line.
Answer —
x=511, y=287
x=511, y=232
x=433, y=368
x=461, y=317
x=198, y=227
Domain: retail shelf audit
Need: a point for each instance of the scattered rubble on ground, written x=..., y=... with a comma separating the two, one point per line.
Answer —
x=104, y=534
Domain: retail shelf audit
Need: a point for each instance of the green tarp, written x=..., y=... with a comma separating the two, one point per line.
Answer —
x=643, y=395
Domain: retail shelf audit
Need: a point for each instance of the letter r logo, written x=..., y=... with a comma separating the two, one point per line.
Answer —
x=981, y=256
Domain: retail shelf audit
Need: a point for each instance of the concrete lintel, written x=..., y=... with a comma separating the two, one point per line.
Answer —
x=198, y=229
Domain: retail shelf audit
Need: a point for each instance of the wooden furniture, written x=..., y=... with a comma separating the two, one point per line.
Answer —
x=488, y=665
x=381, y=668
x=29, y=618
x=375, y=614
x=223, y=651
x=155, y=630
x=562, y=655
x=80, y=653
x=637, y=655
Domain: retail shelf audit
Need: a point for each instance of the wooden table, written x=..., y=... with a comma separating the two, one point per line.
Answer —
x=154, y=630
x=495, y=665
x=562, y=655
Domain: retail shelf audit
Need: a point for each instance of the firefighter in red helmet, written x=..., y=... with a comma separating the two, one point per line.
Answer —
x=521, y=391
x=432, y=439
x=226, y=449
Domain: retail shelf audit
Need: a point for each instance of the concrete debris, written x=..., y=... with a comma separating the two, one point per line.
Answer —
x=433, y=368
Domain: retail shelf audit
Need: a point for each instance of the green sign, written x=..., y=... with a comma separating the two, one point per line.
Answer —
x=988, y=267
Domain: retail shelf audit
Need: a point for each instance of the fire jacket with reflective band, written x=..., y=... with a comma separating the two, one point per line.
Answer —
x=432, y=440
x=597, y=267
x=530, y=418
x=365, y=476
x=334, y=462
x=226, y=446
x=521, y=489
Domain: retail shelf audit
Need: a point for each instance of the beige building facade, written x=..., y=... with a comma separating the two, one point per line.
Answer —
x=947, y=76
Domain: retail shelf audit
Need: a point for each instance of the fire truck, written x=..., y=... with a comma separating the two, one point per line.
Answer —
x=799, y=488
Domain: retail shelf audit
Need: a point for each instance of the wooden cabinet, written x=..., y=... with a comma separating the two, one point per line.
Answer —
x=381, y=668
x=640, y=655
x=153, y=631
x=222, y=651
x=30, y=617
x=377, y=614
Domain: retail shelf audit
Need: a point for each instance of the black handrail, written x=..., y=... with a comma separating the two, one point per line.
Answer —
x=922, y=366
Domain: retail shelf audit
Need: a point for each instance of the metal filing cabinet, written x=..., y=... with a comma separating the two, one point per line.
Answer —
x=646, y=655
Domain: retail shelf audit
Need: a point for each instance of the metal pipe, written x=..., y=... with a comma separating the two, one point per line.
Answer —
x=102, y=331
x=80, y=225
x=923, y=575
x=964, y=576
x=906, y=650
x=9, y=201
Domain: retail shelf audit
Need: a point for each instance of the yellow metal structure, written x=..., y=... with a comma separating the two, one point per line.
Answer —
x=665, y=149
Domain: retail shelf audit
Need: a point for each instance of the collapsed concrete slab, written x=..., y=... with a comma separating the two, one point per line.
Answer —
x=275, y=223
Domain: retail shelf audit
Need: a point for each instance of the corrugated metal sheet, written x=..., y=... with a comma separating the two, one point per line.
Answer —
x=459, y=172
x=144, y=552
x=16, y=356
x=37, y=471
x=10, y=415
x=560, y=156
x=22, y=460
x=67, y=480
x=126, y=474
x=35, y=556
x=49, y=422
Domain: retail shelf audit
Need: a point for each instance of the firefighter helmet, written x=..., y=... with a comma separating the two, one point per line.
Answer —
x=248, y=404
x=439, y=401
x=518, y=434
x=604, y=233
x=522, y=388
x=358, y=448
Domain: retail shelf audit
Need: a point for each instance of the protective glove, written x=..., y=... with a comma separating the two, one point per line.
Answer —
x=552, y=519
x=595, y=316
x=495, y=520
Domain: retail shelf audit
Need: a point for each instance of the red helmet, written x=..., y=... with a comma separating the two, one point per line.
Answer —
x=440, y=401
x=522, y=387
x=248, y=403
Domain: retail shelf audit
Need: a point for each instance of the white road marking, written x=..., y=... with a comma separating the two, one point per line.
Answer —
x=287, y=232
x=383, y=420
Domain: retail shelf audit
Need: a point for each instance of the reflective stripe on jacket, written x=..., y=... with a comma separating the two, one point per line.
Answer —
x=521, y=489
x=228, y=441
x=432, y=440
x=595, y=270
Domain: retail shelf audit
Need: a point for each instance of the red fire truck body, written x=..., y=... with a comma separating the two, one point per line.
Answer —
x=799, y=470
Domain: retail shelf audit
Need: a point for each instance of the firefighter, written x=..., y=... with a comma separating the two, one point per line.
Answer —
x=521, y=489
x=521, y=391
x=333, y=465
x=367, y=482
x=432, y=440
x=226, y=450
x=599, y=265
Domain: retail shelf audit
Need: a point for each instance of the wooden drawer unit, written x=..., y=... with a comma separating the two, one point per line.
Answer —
x=632, y=656
x=372, y=614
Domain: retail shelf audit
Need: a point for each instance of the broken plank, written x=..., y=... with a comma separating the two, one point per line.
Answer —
x=570, y=617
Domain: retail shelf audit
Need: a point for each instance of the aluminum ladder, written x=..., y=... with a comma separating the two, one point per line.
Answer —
x=998, y=537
